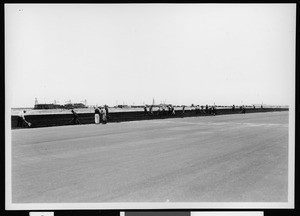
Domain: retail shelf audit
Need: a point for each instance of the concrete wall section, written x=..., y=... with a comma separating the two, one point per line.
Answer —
x=88, y=118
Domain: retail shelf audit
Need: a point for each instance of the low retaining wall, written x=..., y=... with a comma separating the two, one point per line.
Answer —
x=88, y=118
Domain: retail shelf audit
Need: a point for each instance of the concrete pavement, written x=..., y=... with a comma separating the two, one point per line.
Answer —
x=229, y=158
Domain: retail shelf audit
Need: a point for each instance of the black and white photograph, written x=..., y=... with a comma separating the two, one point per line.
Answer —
x=149, y=106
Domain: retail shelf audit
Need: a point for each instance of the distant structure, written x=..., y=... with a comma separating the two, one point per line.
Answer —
x=124, y=106
x=74, y=106
x=84, y=101
x=47, y=106
x=68, y=105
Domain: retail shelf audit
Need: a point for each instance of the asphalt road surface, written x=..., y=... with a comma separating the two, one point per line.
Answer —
x=228, y=158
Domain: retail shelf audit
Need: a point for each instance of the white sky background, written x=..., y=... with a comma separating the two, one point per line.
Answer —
x=132, y=53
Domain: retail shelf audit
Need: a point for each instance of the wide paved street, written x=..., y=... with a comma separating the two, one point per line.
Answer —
x=228, y=158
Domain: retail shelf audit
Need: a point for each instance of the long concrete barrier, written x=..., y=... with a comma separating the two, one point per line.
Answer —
x=88, y=118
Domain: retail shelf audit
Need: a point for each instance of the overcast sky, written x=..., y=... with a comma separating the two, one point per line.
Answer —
x=132, y=53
